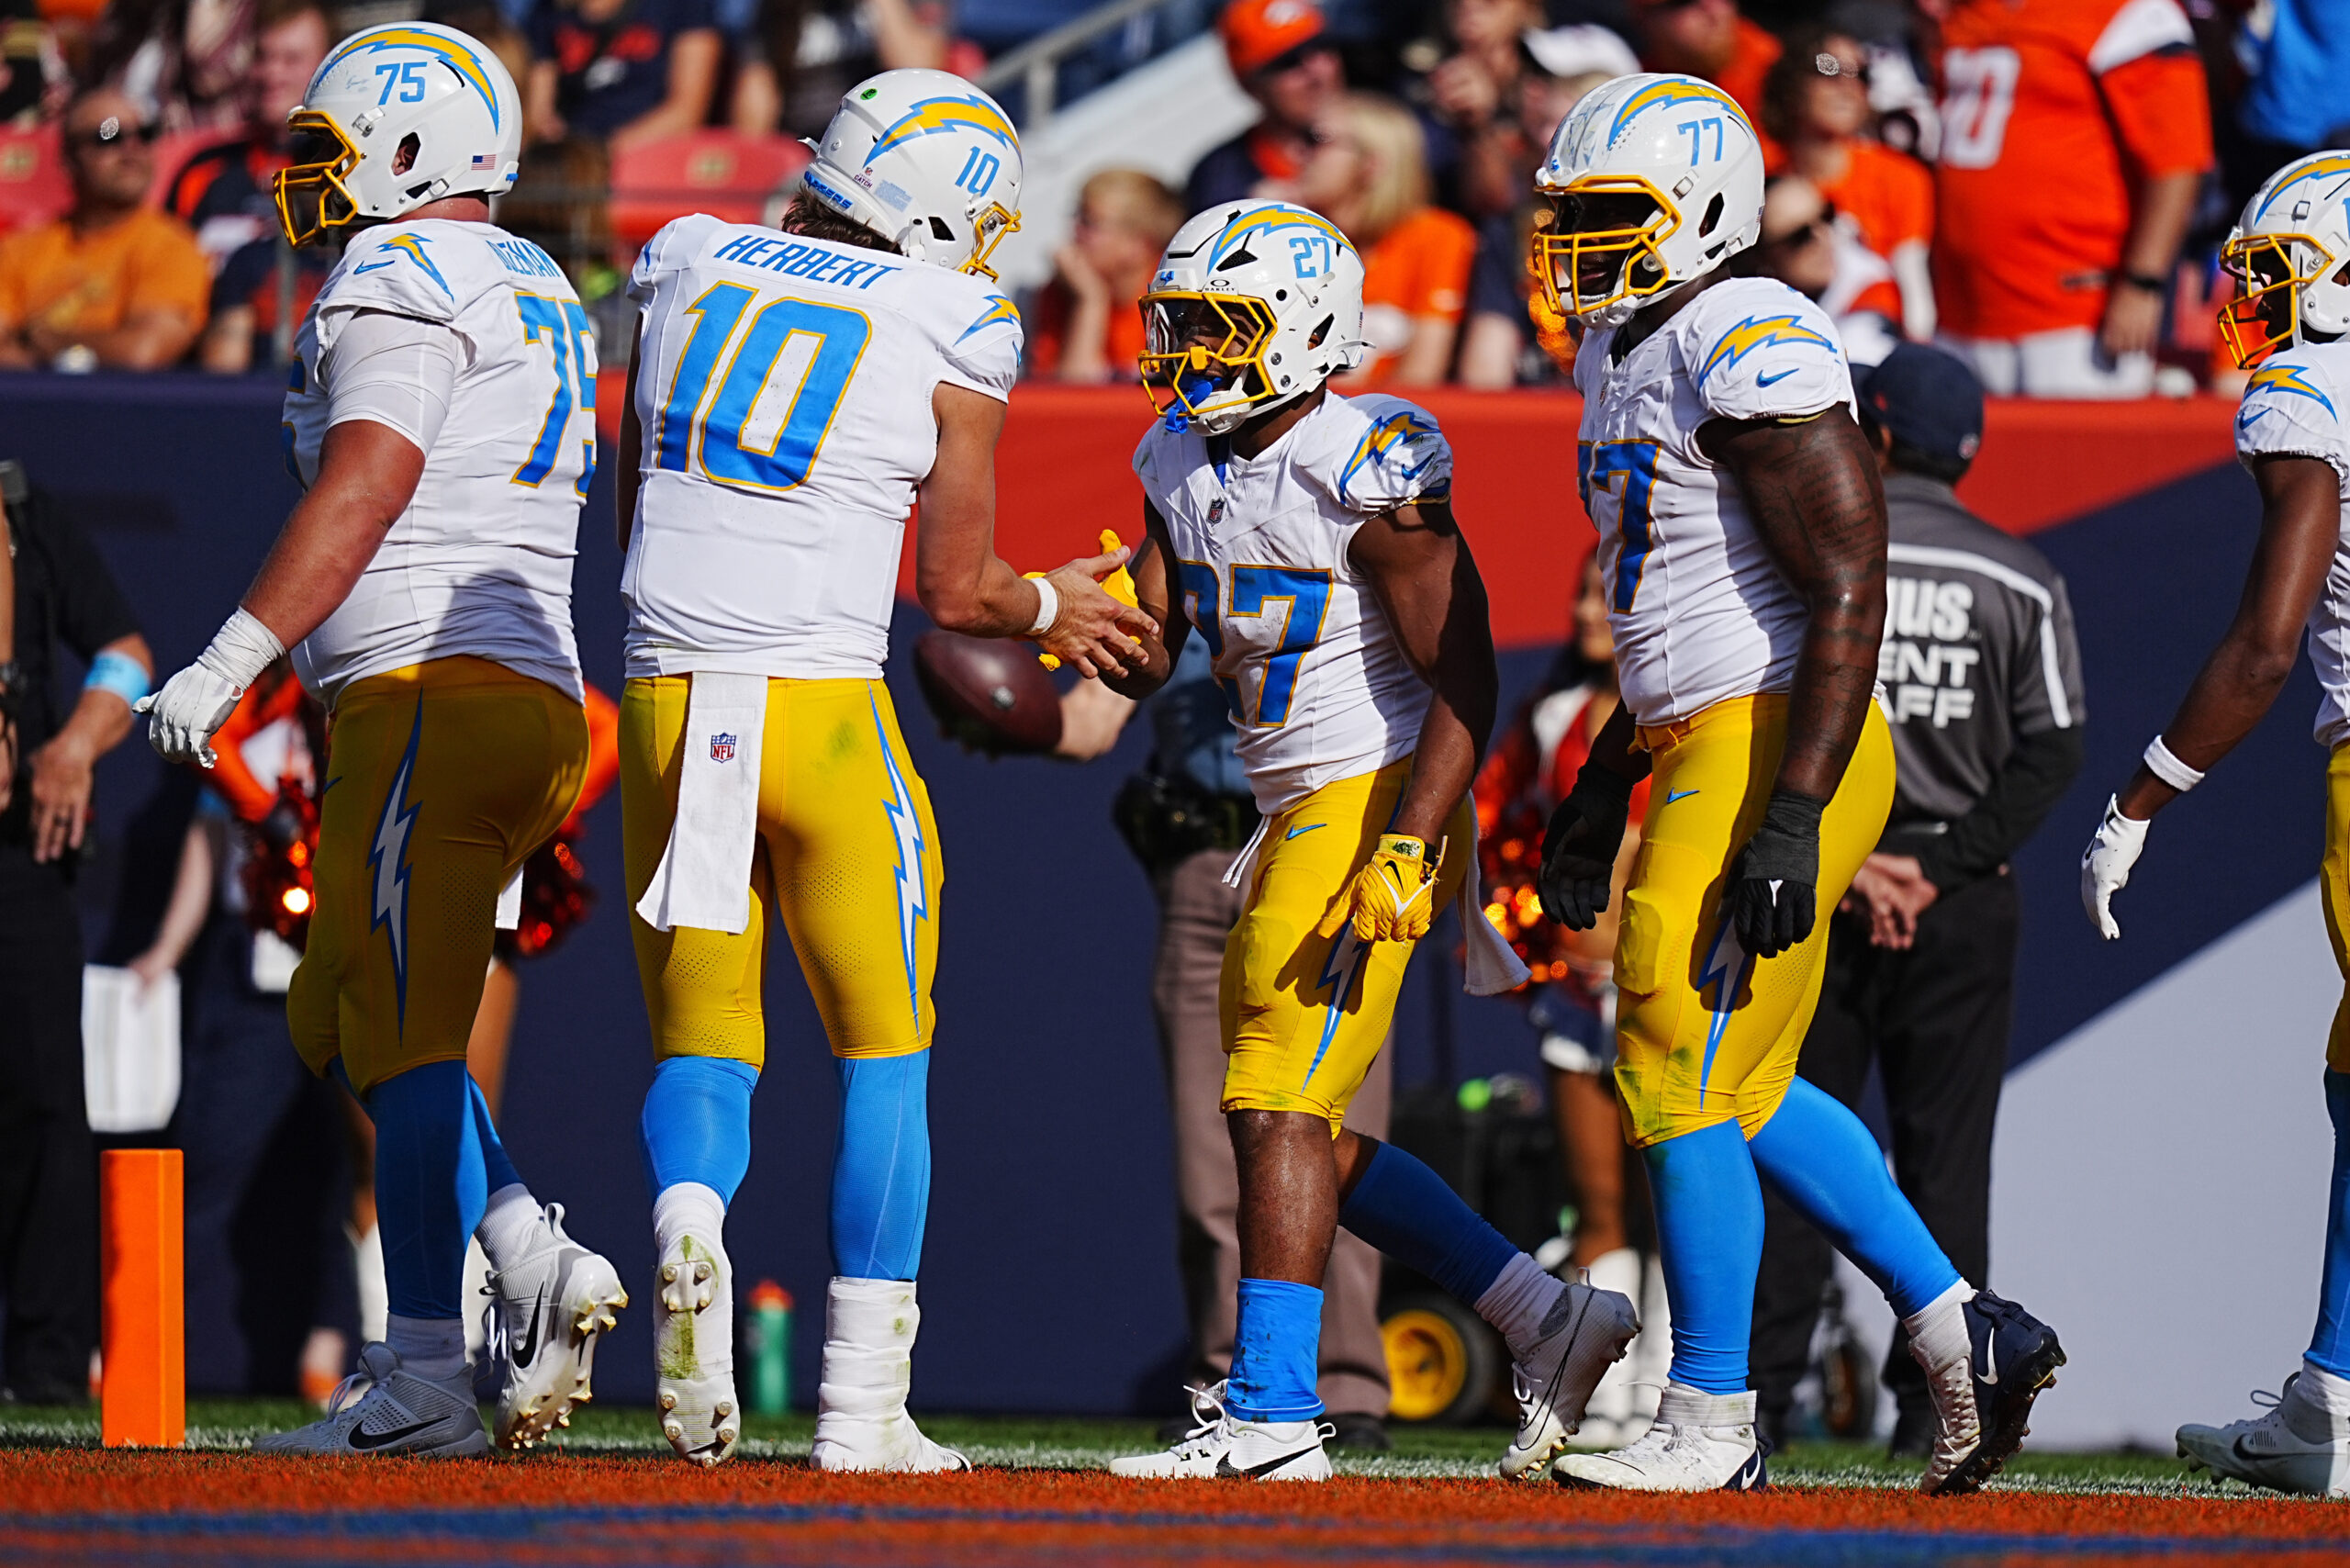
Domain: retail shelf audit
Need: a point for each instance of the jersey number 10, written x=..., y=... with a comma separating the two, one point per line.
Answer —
x=760, y=422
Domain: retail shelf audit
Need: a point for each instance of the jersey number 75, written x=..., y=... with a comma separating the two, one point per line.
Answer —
x=759, y=422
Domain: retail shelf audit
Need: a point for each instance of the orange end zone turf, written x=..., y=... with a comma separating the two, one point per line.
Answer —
x=66, y=1506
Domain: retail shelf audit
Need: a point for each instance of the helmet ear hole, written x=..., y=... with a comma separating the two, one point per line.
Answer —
x=1321, y=331
x=1713, y=216
x=940, y=230
x=404, y=159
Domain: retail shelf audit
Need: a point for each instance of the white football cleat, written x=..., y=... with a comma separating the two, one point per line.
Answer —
x=542, y=1320
x=1699, y=1442
x=861, y=1420
x=693, y=1350
x=2273, y=1449
x=383, y=1408
x=1222, y=1446
x=1584, y=1334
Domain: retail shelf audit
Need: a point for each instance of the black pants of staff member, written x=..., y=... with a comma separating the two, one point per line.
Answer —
x=1935, y=1019
x=48, y=1173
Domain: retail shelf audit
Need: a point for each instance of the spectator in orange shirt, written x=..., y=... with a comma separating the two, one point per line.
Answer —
x=1707, y=39
x=1281, y=56
x=2075, y=134
x=1816, y=106
x=1370, y=177
x=110, y=283
x=1084, y=325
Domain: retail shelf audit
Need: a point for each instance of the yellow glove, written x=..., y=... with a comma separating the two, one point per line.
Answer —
x=1119, y=585
x=1393, y=899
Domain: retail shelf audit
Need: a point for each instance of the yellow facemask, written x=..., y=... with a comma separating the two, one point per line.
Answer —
x=2263, y=267
x=1180, y=371
x=1554, y=250
x=308, y=193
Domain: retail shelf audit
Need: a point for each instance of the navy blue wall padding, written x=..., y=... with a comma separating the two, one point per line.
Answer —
x=1048, y=1114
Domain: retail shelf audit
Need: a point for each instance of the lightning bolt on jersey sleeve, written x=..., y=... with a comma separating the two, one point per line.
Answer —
x=1700, y=612
x=480, y=562
x=785, y=391
x=1311, y=669
x=2294, y=406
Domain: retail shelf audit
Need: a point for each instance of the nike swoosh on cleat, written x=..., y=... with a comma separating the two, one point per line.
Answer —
x=528, y=1352
x=364, y=1440
x=1226, y=1467
x=1751, y=1476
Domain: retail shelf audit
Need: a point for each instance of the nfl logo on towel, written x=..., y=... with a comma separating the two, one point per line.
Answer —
x=721, y=747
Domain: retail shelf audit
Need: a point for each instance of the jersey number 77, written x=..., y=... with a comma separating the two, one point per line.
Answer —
x=759, y=422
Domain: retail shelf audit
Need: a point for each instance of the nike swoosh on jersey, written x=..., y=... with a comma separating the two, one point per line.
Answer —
x=1678, y=795
x=360, y=1440
x=1294, y=832
x=370, y=267
x=1782, y=375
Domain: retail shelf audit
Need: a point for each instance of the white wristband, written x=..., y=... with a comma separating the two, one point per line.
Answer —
x=2168, y=769
x=1049, y=607
x=240, y=650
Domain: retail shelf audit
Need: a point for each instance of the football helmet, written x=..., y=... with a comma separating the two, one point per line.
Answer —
x=1254, y=303
x=2290, y=254
x=1654, y=181
x=397, y=116
x=926, y=160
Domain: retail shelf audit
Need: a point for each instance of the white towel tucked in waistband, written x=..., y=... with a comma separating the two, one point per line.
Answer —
x=704, y=878
x=1493, y=966
x=509, y=902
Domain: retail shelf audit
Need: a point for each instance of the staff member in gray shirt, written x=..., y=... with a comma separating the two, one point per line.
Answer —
x=1982, y=673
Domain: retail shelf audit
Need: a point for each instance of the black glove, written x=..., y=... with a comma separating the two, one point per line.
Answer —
x=1774, y=882
x=1579, y=848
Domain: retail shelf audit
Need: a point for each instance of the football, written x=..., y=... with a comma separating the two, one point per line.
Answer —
x=988, y=694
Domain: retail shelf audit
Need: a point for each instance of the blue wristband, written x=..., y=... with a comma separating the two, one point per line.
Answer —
x=117, y=673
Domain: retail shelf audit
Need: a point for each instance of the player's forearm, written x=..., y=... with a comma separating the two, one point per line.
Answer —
x=1611, y=748
x=1443, y=769
x=1835, y=683
x=2232, y=694
x=980, y=599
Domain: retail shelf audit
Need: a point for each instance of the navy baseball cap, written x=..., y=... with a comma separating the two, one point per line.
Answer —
x=1927, y=399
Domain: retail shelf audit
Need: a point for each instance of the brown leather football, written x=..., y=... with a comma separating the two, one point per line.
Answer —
x=988, y=694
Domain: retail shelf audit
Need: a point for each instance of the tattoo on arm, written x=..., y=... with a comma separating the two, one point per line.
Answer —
x=1814, y=494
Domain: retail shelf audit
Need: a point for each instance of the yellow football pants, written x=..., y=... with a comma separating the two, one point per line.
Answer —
x=847, y=851
x=1703, y=1033
x=1304, y=1014
x=2336, y=874
x=443, y=778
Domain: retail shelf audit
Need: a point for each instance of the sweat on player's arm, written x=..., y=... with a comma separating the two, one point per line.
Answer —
x=1812, y=488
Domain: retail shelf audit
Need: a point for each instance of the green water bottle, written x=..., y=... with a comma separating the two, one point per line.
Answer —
x=770, y=1330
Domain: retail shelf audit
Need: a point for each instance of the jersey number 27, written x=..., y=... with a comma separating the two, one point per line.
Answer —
x=759, y=422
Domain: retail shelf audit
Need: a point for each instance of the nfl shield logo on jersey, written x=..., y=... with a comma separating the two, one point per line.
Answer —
x=721, y=747
x=1215, y=510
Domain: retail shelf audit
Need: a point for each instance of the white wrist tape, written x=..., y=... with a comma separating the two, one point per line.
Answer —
x=1048, y=605
x=2168, y=769
x=240, y=650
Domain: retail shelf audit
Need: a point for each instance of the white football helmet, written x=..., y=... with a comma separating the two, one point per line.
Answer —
x=1654, y=182
x=397, y=116
x=1254, y=303
x=2290, y=254
x=926, y=160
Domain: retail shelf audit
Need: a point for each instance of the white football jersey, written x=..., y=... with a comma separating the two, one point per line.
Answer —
x=480, y=563
x=1701, y=613
x=784, y=389
x=2296, y=404
x=1318, y=683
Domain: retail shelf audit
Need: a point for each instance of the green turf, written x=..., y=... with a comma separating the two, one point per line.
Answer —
x=1085, y=1442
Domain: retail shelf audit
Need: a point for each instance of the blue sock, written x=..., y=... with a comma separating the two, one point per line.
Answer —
x=1822, y=1159
x=1709, y=1239
x=697, y=1124
x=497, y=1170
x=2330, y=1348
x=1276, y=1352
x=881, y=1175
x=429, y=1191
x=1401, y=1207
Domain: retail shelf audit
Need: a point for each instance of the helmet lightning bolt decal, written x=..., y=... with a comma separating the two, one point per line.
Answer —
x=931, y=116
x=459, y=59
x=1676, y=90
x=913, y=897
x=1728, y=972
x=2318, y=169
x=388, y=865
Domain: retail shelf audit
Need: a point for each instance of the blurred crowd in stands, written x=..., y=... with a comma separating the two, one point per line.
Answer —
x=2040, y=186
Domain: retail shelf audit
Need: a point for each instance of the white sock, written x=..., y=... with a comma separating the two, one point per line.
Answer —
x=432, y=1347
x=513, y=1226
x=2321, y=1394
x=1937, y=1330
x=1515, y=1303
x=687, y=1208
x=374, y=1298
